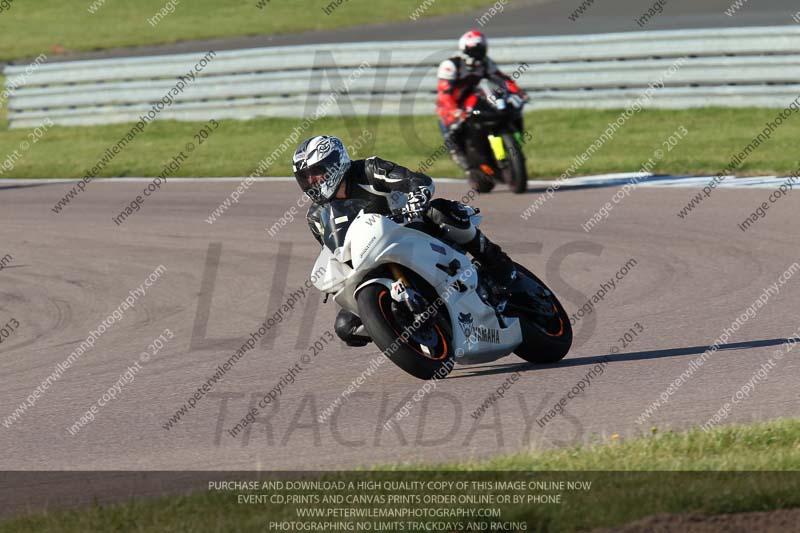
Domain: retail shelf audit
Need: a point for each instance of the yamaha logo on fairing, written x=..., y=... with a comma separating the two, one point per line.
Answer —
x=477, y=333
x=465, y=321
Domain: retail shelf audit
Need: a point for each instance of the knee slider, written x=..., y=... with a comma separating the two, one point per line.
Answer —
x=346, y=323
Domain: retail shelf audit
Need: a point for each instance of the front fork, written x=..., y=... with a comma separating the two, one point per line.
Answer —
x=398, y=274
x=403, y=292
x=499, y=148
x=405, y=296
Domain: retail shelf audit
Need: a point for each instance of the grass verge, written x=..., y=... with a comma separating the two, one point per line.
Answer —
x=631, y=479
x=30, y=28
x=236, y=147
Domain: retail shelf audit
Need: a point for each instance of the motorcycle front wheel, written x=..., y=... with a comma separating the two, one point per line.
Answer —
x=423, y=349
x=516, y=175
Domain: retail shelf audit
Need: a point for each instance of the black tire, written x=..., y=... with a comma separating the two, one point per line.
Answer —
x=543, y=344
x=374, y=302
x=518, y=179
x=480, y=181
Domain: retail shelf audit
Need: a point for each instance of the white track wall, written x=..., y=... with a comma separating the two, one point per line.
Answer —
x=723, y=67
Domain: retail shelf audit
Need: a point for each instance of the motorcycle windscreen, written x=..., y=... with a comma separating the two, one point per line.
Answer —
x=336, y=219
x=490, y=96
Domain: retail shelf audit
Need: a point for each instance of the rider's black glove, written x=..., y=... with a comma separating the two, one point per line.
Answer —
x=418, y=201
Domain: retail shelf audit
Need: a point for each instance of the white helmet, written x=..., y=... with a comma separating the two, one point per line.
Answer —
x=319, y=165
x=473, y=47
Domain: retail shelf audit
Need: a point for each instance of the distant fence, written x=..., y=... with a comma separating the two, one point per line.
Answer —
x=724, y=67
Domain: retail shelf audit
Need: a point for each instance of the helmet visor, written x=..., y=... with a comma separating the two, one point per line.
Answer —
x=477, y=51
x=321, y=180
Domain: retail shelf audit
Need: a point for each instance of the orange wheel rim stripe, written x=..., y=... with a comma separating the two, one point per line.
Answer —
x=399, y=336
x=560, y=323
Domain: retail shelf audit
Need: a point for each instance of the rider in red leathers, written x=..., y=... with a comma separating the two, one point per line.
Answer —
x=458, y=76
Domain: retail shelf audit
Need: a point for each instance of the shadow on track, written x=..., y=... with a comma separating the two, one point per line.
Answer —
x=614, y=182
x=488, y=370
x=26, y=186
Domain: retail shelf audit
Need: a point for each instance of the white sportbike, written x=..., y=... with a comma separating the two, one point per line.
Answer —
x=424, y=303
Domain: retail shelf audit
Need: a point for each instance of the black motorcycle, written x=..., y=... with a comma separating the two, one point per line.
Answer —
x=494, y=137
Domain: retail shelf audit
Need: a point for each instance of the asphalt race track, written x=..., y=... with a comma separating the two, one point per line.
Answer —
x=690, y=280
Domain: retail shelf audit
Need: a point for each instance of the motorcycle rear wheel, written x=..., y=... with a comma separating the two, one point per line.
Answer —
x=480, y=181
x=546, y=337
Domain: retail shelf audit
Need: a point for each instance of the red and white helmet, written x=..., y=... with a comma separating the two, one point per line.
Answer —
x=473, y=46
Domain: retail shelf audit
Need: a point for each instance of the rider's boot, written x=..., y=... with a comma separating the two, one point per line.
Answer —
x=496, y=261
x=456, y=149
x=350, y=329
x=459, y=157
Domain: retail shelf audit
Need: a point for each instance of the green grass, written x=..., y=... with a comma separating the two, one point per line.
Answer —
x=32, y=27
x=770, y=446
x=235, y=149
x=631, y=479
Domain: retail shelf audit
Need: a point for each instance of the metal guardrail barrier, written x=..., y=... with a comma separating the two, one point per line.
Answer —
x=722, y=67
